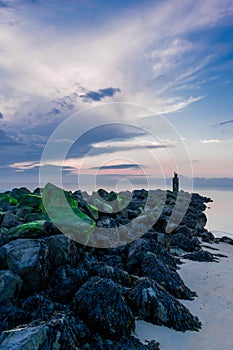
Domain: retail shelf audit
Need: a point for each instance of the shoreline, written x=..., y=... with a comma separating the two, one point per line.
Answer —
x=214, y=285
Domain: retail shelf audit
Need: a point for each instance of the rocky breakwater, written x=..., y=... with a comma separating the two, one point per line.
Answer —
x=58, y=293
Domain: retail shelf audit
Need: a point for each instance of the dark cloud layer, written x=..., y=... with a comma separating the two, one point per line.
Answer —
x=100, y=94
x=118, y=166
x=226, y=122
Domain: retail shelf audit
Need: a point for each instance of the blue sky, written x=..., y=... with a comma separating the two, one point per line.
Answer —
x=172, y=59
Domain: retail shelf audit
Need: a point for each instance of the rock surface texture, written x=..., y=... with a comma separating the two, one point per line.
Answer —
x=58, y=294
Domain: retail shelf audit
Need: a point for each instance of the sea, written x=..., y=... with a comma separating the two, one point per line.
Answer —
x=219, y=212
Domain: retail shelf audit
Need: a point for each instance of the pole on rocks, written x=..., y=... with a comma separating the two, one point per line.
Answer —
x=175, y=183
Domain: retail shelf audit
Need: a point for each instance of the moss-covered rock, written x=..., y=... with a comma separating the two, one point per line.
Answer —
x=31, y=200
x=7, y=199
x=63, y=211
x=31, y=229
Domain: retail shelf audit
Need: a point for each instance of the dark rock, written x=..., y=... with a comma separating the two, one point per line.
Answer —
x=207, y=236
x=161, y=223
x=38, y=307
x=170, y=280
x=18, y=192
x=11, y=316
x=154, y=304
x=29, y=259
x=23, y=211
x=226, y=239
x=65, y=281
x=10, y=286
x=106, y=222
x=183, y=242
x=187, y=231
x=10, y=220
x=59, y=250
x=31, y=200
x=34, y=229
x=145, y=245
x=202, y=255
x=35, y=216
x=100, y=304
x=105, y=271
x=28, y=338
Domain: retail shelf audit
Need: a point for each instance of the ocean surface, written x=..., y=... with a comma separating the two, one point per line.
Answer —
x=219, y=213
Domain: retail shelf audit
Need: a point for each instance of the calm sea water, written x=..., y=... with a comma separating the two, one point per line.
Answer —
x=219, y=213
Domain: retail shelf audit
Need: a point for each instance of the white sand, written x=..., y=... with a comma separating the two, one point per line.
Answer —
x=214, y=306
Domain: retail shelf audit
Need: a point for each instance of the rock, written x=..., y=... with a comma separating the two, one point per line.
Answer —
x=207, y=236
x=187, y=231
x=24, y=339
x=59, y=250
x=145, y=245
x=202, y=255
x=106, y=222
x=130, y=343
x=31, y=200
x=35, y=217
x=64, y=213
x=169, y=279
x=161, y=223
x=29, y=259
x=10, y=220
x=38, y=307
x=154, y=304
x=23, y=211
x=183, y=242
x=7, y=200
x=226, y=239
x=65, y=281
x=100, y=304
x=10, y=286
x=105, y=271
x=18, y=192
x=34, y=229
x=11, y=316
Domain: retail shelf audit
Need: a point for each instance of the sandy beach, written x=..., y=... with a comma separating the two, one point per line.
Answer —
x=213, y=283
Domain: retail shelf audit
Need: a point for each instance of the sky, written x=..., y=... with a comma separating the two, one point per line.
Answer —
x=115, y=92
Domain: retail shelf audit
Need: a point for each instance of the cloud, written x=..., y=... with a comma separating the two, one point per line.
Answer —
x=117, y=166
x=226, y=122
x=216, y=141
x=1, y=115
x=100, y=94
x=8, y=141
x=119, y=52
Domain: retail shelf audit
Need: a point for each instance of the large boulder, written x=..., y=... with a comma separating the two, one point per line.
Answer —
x=29, y=259
x=149, y=301
x=146, y=263
x=10, y=286
x=100, y=304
